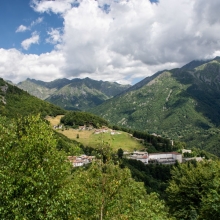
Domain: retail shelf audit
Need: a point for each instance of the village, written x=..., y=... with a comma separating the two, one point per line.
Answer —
x=165, y=158
x=103, y=129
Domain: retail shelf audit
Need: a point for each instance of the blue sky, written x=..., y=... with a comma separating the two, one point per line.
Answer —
x=112, y=40
x=18, y=12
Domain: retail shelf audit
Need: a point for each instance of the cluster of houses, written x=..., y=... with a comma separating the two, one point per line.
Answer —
x=156, y=158
x=98, y=131
x=106, y=130
x=58, y=126
x=84, y=127
x=78, y=161
x=90, y=127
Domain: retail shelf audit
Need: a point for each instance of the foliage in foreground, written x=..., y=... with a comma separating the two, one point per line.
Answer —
x=105, y=191
x=194, y=191
x=33, y=173
x=36, y=181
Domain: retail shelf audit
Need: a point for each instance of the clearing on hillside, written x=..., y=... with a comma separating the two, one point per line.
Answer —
x=96, y=137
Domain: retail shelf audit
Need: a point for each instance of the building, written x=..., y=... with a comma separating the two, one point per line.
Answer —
x=165, y=158
x=141, y=156
x=186, y=151
x=161, y=158
x=78, y=161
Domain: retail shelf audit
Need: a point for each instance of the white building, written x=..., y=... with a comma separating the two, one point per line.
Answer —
x=162, y=158
x=165, y=158
x=78, y=161
x=141, y=156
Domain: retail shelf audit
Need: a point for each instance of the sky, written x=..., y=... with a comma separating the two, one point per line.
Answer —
x=111, y=40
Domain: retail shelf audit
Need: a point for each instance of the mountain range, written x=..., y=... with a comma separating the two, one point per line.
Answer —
x=75, y=94
x=182, y=103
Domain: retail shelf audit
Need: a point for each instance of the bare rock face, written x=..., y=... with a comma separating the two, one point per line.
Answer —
x=3, y=90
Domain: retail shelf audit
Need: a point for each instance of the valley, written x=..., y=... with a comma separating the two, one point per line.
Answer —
x=167, y=112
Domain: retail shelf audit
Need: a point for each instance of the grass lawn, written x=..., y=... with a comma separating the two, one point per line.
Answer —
x=88, y=138
x=54, y=120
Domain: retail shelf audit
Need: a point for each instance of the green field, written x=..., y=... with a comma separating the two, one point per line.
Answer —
x=116, y=141
x=88, y=138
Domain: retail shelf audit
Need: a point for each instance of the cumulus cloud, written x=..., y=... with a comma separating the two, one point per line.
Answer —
x=21, y=28
x=123, y=40
x=34, y=39
x=57, y=6
x=16, y=66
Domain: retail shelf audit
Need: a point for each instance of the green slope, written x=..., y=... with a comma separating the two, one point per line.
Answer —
x=16, y=102
x=182, y=104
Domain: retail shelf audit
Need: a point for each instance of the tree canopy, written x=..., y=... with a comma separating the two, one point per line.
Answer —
x=194, y=192
x=105, y=191
x=33, y=172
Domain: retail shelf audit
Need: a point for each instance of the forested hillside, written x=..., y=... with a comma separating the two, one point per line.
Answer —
x=16, y=102
x=76, y=119
x=181, y=104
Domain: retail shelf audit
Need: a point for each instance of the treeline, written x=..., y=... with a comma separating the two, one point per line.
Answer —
x=153, y=143
x=76, y=119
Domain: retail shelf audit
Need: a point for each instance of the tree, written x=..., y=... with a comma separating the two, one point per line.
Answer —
x=120, y=153
x=33, y=173
x=105, y=191
x=194, y=192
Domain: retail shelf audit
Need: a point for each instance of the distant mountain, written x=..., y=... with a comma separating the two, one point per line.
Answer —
x=36, y=88
x=75, y=94
x=182, y=103
x=16, y=102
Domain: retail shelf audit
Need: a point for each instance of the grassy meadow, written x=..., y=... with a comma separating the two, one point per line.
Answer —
x=88, y=138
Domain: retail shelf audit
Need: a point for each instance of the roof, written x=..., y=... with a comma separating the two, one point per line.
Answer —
x=176, y=153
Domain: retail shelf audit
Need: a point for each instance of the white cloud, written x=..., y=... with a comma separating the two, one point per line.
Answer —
x=21, y=28
x=134, y=39
x=57, y=6
x=17, y=66
x=37, y=21
x=55, y=36
x=33, y=40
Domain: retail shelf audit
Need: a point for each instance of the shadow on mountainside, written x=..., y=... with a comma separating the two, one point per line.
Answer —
x=205, y=93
